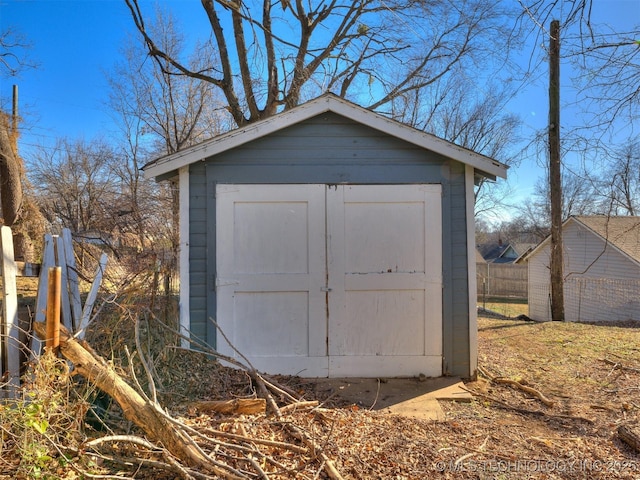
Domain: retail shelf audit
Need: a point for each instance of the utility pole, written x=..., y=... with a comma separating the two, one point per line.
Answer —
x=555, y=179
x=14, y=119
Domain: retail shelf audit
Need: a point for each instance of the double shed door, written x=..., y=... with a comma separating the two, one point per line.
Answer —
x=324, y=280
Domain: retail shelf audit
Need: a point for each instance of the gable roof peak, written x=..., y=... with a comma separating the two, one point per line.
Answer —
x=484, y=165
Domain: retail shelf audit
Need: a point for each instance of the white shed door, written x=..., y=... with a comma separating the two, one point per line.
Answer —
x=320, y=280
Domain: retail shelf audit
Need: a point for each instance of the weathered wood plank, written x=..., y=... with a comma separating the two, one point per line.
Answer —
x=72, y=276
x=91, y=298
x=237, y=406
x=65, y=302
x=10, y=340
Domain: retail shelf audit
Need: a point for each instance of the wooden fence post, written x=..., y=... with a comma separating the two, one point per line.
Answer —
x=48, y=260
x=53, y=308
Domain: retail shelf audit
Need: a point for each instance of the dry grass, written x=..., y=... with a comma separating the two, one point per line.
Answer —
x=507, y=309
x=590, y=372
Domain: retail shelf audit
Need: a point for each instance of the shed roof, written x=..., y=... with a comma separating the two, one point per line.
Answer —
x=483, y=165
x=623, y=233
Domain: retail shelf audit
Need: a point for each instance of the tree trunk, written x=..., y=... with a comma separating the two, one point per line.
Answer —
x=10, y=175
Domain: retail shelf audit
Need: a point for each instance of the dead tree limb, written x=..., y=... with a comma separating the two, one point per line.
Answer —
x=519, y=385
x=532, y=391
x=144, y=414
x=620, y=366
x=526, y=411
x=630, y=436
x=237, y=406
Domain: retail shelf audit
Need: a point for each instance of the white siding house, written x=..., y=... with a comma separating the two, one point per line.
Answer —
x=601, y=270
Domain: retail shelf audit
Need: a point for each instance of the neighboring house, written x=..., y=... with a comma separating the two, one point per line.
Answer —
x=503, y=252
x=329, y=240
x=601, y=257
x=497, y=274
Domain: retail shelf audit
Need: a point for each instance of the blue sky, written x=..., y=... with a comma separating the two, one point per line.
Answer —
x=76, y=41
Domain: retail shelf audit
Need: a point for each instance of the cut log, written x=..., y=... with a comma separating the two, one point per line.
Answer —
x=136, y=409
x=630, y=436
x=237, y=406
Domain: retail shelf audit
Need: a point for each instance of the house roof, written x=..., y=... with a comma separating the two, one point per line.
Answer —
x=523, y=249
x=492, y=250
x=483, y=165
x=623, y=233
x=503, y=252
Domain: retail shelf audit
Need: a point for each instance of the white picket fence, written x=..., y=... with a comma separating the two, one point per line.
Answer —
x=57, y=252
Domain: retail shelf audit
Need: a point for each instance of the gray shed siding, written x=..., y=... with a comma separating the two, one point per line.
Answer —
x=331, y=149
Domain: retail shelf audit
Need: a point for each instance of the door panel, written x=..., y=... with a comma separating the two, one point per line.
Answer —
x=271, y=274
x=385, y=264
x=341, y=280
x=374, y=323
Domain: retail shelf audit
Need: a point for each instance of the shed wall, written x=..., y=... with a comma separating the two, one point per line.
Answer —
x=330, y=149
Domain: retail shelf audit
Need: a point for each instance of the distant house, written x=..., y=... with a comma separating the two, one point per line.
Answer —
x=496, y=271
x=601, y=268
x=503, y=252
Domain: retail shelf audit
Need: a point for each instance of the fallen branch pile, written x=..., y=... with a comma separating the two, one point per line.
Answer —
x=265, y=447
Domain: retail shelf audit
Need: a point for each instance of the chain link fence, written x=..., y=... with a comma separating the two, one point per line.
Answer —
x=590, y=300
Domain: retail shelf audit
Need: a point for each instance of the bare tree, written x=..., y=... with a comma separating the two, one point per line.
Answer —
x=13, y=56
x=608, y=63
x=474, y=118
x=605, y=60
x=580, y=197
x=279, y=53
x=154, y=100
x=158, y=111
x=75, y=188
x=620, y=186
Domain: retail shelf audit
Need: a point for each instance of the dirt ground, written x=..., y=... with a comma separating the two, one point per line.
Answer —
x=589, y=375
x=547, y=405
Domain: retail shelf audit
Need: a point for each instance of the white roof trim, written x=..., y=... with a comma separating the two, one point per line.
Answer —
x=320, y=105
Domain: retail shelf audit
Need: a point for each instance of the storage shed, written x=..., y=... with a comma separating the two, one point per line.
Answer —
x=601, y=257
x=329, y=240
